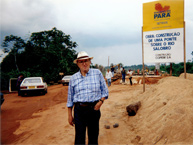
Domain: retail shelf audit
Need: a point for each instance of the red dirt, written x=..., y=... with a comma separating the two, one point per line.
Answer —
x=21, y=108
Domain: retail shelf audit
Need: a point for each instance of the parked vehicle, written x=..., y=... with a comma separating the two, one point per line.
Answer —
x=66, y=79
x=33, y=85
x=2, y=98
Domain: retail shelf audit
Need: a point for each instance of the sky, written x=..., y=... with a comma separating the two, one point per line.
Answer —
x=105, y=29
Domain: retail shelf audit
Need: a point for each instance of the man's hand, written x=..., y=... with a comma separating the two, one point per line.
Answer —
x=98, y=105
x=71, y=120
x=70, y=117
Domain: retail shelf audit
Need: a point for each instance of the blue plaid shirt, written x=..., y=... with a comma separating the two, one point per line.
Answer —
x=90, y=88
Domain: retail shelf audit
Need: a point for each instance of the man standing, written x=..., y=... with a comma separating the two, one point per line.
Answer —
x=19, y=80
x=86, y=93
x=108, y=76
x=123, y=75
x=130, y=73
x=112, y=70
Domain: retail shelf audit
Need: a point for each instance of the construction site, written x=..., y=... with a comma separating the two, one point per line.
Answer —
x=164, y=115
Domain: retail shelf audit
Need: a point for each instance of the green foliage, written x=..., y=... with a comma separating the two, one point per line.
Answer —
x=100, y=67
x=189, y=67
x=177, y=69
x=13, y=44
x=16, y=43
x=45, y=54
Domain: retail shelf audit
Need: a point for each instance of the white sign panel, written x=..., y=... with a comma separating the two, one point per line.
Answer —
x=163, y=46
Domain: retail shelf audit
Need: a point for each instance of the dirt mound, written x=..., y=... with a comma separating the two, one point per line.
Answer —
x=188, y=76
x=148, y=80
x=138, y=80
x=166, y=114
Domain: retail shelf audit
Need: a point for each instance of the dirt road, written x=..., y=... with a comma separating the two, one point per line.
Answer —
x=43, y=119
x=17, y=108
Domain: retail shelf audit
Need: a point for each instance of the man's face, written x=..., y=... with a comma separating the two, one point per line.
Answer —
x=84, y=65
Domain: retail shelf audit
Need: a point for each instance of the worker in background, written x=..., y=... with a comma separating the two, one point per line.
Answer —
x=19, y=80
x=130, y=73
x=123, y=75
x=112, y=70
x=108, y=76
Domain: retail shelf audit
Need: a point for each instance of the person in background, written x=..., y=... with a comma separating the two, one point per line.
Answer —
x=123, y=75
x=112, y=70
x=19, y=80
x=130, y=73
x=108, y=76
x=137, y=71
x=87, y=92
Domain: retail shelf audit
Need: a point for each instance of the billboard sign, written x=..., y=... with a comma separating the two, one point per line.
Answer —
x=163, y=31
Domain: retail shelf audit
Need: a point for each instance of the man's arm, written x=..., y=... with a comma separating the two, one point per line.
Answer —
x=70, y=117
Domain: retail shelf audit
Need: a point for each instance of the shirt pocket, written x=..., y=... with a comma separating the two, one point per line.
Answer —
x=78, y=86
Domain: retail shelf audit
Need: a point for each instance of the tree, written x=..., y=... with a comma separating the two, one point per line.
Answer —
x=13, y=44
x=45, y=54
x=112, y=65
x=120, y=64
x=54, y=52
x=96, y=66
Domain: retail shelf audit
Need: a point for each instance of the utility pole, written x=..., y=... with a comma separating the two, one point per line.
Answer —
x=108, y=61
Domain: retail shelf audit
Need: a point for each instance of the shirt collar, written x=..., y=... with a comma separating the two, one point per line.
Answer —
x=86, y=73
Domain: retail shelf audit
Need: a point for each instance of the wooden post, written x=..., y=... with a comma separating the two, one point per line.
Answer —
x=143, y=63
x=170, y=69
x=184, y=52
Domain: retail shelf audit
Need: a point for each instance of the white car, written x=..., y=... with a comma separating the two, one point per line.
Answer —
x=33, y=84
x=66, y=79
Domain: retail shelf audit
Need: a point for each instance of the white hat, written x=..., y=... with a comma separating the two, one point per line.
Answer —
x=82, y=55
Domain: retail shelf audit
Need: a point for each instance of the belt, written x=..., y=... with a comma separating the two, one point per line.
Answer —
x=84, y=104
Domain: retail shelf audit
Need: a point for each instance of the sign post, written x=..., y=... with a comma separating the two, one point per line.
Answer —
x=61, y=74
x=184, y=52
x=143, y=63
